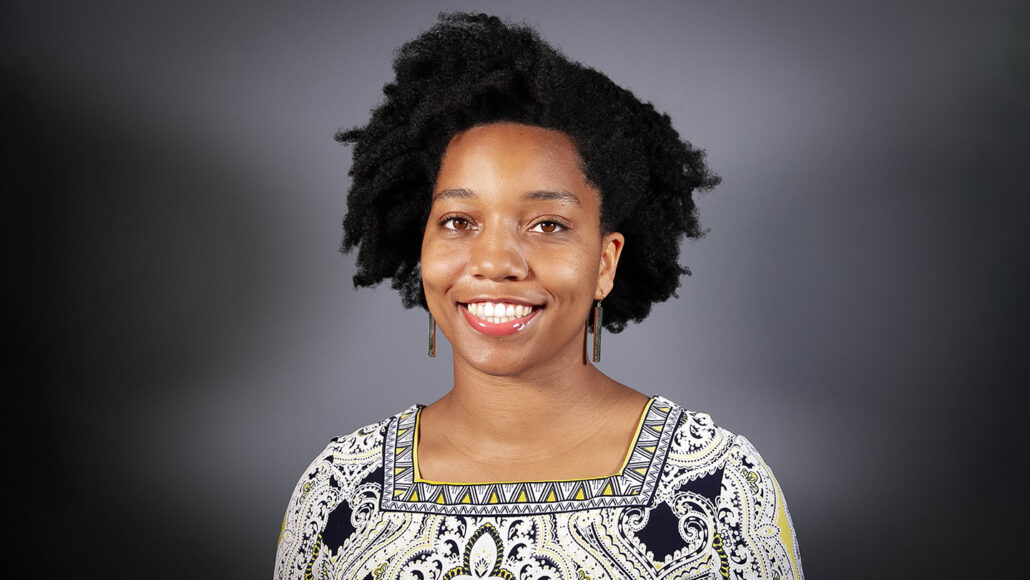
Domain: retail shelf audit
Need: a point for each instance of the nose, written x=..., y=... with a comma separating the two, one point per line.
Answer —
x=497, y=254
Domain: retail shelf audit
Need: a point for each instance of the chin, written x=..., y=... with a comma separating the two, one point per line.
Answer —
x=496, y=363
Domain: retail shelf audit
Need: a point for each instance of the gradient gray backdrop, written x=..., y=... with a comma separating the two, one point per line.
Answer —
x=188, y=338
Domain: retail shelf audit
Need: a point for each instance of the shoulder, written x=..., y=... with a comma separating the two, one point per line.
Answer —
x=334, y=477
x=361, y=443
x=754, y=523
x=343, y=461
x=362, y=446
x=697, y=443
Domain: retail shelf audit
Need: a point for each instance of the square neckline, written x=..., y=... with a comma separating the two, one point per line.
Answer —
x=633, y=484
x=622, y=465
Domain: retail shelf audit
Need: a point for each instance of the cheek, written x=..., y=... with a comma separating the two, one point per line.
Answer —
x=570, y=272
x=441, y=266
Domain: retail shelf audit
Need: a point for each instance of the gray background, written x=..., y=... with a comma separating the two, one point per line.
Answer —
x=188, y=339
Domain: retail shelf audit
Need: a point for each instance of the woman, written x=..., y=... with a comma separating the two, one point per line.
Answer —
x=526, y=202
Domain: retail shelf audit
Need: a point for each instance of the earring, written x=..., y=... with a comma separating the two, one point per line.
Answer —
x=432, y=336
x=598, y=315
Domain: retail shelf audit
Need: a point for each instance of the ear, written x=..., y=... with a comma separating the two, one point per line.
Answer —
x=611, y=249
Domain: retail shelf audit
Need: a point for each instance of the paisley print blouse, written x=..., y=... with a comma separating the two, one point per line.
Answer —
x=691, y=501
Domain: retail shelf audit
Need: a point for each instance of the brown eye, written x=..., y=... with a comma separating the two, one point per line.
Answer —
x=548, y=227
x=459, y=224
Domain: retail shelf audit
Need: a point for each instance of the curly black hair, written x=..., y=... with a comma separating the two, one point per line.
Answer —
x=474, y=69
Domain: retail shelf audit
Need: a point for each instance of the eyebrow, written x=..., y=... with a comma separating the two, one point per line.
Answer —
x=453, y=194
x=561, y=196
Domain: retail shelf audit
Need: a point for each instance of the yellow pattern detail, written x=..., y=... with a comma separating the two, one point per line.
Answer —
x=724, y=561
x=522, y=497
x=580, y=494
x=784, y=525
x=282, y=529
x=608, y=490
x=752, y=479
x=551, y=496
x=636, y=438
x=494, y=498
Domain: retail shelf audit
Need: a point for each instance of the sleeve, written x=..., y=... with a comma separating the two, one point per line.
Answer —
x=757, y=535
x=314, y=498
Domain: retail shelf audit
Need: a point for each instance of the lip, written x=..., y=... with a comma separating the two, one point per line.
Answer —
x=498, y=329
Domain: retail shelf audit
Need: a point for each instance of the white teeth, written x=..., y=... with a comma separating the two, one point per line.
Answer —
x=498, y=312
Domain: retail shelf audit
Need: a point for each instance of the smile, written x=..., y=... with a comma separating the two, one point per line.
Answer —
x=498, y=318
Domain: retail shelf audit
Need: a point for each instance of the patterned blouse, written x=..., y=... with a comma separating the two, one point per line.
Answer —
x=691, y=501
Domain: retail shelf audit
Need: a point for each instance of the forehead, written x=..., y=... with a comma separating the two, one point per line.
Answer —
x=513, y=158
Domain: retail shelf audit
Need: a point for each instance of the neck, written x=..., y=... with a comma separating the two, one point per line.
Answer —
x=532, y=413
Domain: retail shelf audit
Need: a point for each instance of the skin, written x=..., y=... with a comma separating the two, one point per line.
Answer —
x=514, y=219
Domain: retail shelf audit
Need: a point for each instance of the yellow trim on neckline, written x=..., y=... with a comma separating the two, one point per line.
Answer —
x=625, y=461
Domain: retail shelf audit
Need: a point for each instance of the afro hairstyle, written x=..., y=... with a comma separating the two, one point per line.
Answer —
x=474, y=69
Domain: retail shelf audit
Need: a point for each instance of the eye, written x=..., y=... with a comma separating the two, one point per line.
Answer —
x=456, y=223
x=548, y=227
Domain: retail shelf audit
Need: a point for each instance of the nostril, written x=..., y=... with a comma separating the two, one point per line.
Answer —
x=498, y=260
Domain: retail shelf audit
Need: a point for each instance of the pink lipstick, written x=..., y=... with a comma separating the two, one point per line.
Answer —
x=499, y=325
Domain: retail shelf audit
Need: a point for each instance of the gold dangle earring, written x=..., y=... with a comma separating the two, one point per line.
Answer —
x=598, y=315
x=432, y=336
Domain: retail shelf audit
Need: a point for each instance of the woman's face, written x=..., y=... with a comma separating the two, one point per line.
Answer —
x=513, y=255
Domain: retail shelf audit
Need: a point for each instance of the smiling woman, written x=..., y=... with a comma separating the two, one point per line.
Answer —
x=523, y=233
x=511, y=192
